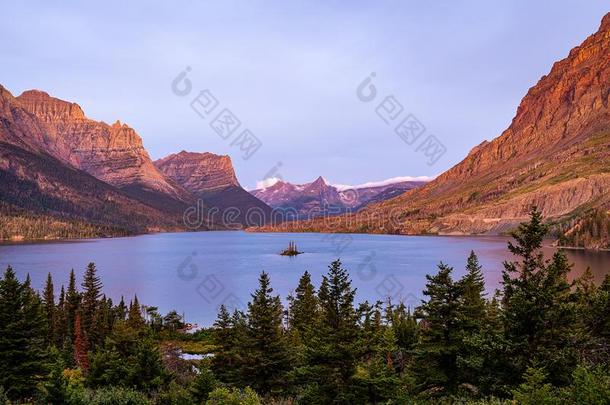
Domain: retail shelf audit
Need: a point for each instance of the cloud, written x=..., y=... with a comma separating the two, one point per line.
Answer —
x=386, y=182
x=268, y=182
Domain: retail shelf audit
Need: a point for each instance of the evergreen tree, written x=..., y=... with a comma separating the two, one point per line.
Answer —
x=223, y=362
x=440, y=336
x=303, y=310
x=173, y=321
x=406, y=332
x=147, y=373
x=81, y=357
x=332, y=355
x=60, y=324
x=202, y=385
x=471, y=321
x=134, y=316
x=597, y=325
x=22, y=336
x=268, y=357
x=377, y=378
x=121, y=310
x=50, y=310
x=472, y=294
x=104, y=319
x=72, y=305
x=92, y=287
x=539, y=319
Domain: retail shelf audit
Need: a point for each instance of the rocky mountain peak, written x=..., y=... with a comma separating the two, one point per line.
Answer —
x=48, y=108
x=605, y=24
x=114, y=154
x=199, y=171
x=318, y=184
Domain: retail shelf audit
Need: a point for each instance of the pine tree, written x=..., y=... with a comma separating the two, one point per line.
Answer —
x=202, y=385
x=22, y=336
x=224, y=363
x=81, y=358
x=72, y=305
x=60, y=324
x=440, y=336
x=331, y=357
x=134, y=317
x=472, y=287
x=303, y=310
x=104, y=319
x=471, y=321
x=539, y=319
x=268, y=357
x=92, y=287
x=50, y=311
x=121, y=310
x=406, y=331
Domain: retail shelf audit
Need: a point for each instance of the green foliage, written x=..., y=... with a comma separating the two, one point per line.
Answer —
x=440, y=336
x=90, y=306
x=589, y=386
x=203, y=384
x=303, y=311
x=267, y=360
x=22, y=337
x=332, y=356
x=134, y=315
x=534, y=390
x=539, y=319
x=117, y=396
x=230, y=339
x=233, y=396
x=127, y=360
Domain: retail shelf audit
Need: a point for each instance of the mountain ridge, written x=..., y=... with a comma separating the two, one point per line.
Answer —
x=318, y=198
x=552, y=156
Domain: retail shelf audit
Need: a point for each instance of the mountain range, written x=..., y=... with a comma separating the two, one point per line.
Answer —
x=319, y=198
x=65, y=175
x=555, y=155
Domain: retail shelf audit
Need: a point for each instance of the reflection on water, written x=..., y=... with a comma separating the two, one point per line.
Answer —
x=196, y=272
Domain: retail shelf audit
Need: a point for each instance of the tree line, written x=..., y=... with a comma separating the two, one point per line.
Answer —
x=539, y=340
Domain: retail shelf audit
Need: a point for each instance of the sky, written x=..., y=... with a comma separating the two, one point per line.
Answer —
x=289, y=72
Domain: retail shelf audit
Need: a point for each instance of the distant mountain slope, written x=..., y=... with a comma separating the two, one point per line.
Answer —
x=112, y=153
x=212, y=178
x=41, y=176
x=319, y=198
x=555, y=155
x=36, y=184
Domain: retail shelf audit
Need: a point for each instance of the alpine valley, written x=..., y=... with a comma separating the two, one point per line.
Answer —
x=64, y=175
x=554, y=155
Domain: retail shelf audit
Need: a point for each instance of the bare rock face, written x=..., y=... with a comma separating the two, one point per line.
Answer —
x=112, y=153
x=199, y=172
x=212, y=178
x=554, y=155
x=38, y=190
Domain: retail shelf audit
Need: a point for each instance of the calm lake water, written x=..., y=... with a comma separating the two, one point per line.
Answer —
x=195, y=272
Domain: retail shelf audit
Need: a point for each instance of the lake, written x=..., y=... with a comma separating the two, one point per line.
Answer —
x=196, y=272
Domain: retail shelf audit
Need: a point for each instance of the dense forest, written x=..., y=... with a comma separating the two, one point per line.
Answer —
x=539, y=340
x=20, y=224
x=591, y=231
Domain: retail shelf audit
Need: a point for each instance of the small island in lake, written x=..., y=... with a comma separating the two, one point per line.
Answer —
x=291, y=250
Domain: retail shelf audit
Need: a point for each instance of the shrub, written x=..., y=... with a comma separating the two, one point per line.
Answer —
x=233, y=396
